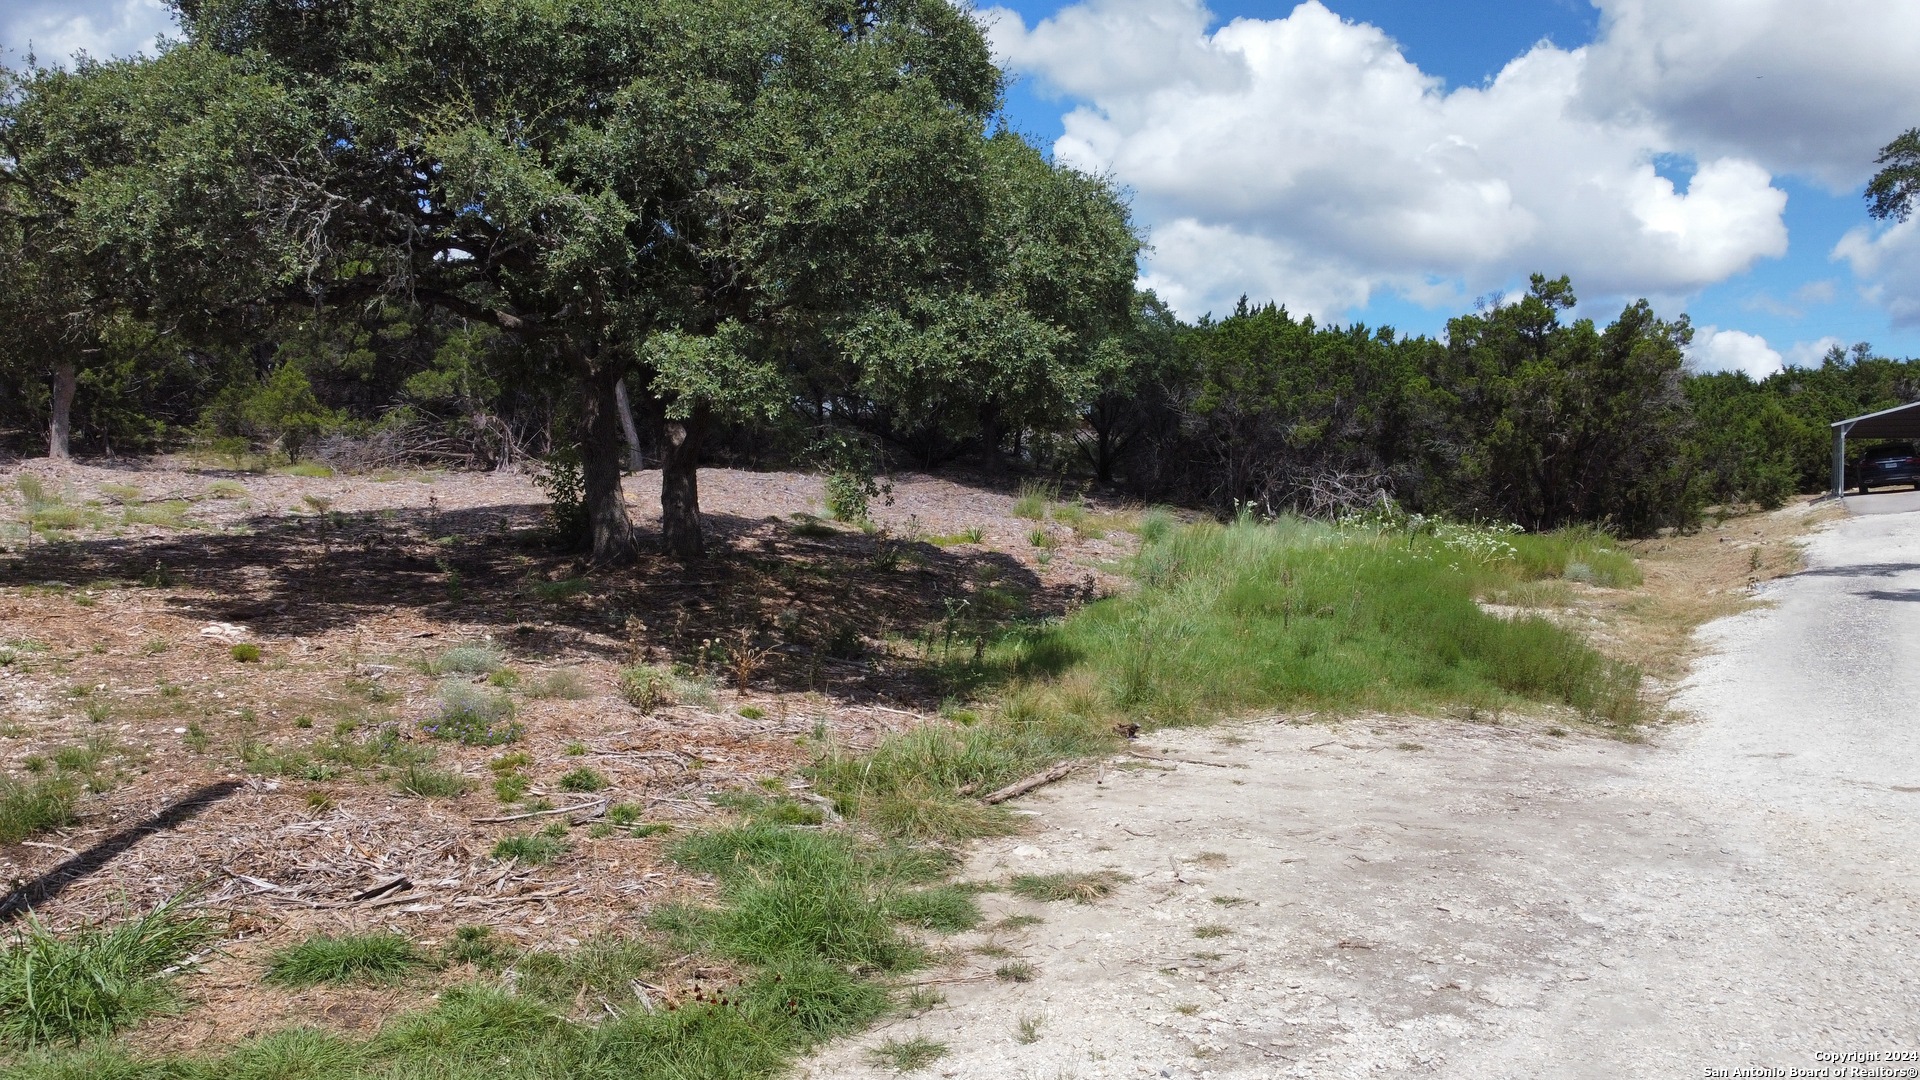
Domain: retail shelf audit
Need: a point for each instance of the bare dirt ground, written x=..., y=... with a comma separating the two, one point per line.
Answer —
x=116, y=639
x=1383, y=896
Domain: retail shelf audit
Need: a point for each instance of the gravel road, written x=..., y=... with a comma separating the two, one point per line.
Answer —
x=1477, y=901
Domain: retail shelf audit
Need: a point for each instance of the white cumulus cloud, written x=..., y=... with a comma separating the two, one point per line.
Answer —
x=54, y=30
x=1813, y=87
x=1714, y=349
x=1307, y=160
x=1886, y=264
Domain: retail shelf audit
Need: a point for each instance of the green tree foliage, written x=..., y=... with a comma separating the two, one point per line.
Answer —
x=1544, y=423
x=1892, y=191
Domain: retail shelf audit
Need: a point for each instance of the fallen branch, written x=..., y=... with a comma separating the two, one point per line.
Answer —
x=1037, y=780
x=1185, y=760
x=598, y=806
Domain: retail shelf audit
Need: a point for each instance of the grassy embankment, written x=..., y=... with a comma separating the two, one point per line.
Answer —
x=817, y=922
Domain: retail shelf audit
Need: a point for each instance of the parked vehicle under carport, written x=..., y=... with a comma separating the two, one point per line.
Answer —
x=1886, y=466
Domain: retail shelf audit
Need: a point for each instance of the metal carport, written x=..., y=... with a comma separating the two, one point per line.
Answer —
x=1899, y=422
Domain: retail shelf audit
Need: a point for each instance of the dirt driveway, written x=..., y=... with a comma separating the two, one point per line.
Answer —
x=1387, y=897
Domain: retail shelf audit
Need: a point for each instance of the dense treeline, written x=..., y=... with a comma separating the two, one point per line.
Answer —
x=758, y=231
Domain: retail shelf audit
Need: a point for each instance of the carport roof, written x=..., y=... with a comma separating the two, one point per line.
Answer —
x=1899, y=422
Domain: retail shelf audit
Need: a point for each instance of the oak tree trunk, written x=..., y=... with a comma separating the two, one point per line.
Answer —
x=680, y=485
x=60, y=428
x=626, y=426
x=601, y=454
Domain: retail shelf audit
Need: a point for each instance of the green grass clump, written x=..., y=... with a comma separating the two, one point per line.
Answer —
x=1032, y=501
x=246, y=653
x=800, y=893
x=646, y=686
x=531, y=848
x=565, y=684
x=431, y=783
x=1079, y=888
x=906, y=1055
x=1291, y=613
x=467, y=660
x=352, y=958
x=92, y=982
x=226, y=489
x=950, y=909
x=583, y=780
x=28, y=808
x=601, y=969
x=472, y=716
x=310, y=469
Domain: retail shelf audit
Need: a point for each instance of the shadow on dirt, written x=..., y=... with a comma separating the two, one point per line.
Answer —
x=777, y=605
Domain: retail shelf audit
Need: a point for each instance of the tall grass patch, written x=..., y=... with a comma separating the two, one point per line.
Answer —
x=92, y=982
x=1291, y=613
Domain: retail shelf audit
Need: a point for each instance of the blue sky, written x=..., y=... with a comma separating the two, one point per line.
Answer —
x=1641, y=83
x=1390, y=161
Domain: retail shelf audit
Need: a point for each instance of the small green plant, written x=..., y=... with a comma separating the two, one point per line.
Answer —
x=1015, y=971
x=806, y=526
x=560, y=478
x=466, y=660
x=478, y=946
x=533, y=849
x=473, y=717
x=646, y=686
x=92, y=982
x=510, y=787
x=428, y=783
x=1211, y=930
x=1027, y=1031
x=1079, y=888
x=310, y=469
x=922, y=998
x=33, y=807
x=575, y=748
x=1043, y=540
x=600, y=830
x=752, y=712
x=1032, y=501
x=1231, y=901
x=649, y=828
x=556, y=592
x=907, y=1055
x=565, y=684
x=1018, y=922
x=246, y=653
x=226, y=489
x=583, y=780
x=361, y=958
x=949, y=909
x=624, y=814
x=506, y=678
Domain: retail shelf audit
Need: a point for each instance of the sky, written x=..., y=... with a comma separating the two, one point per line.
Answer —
x=1394, y=162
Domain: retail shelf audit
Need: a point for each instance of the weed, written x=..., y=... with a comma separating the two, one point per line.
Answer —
x=646, y=687
x=361, y=958
x=554, y=592
x=509, y=787
x=1027, y=1032
x=1043, y=539
x=431, y=783
x=226, y=489
x=600, y=830
x=623, y=814
x=97, y=711
x=907, y=1055
x=196, y=738
x=1032, y=501
x=466, y=660
x=1211, y=930
x=949, y=909
x=511, y=762
x=532, y=849
x=1408, y=746
x=921, y=999
x=583, y=780
x=752, y=712
x=167, y=515
x=28, y=809
x=506, y=678
x=602, y=967
x=303, y=722
x=310, y=469
x=1187, y=1010
x=473, y=717
x=1231, y=901
x=476, y=945
x=1015, y=971
x=809, y=527
x=91, y=982
x=246, y=653
x=1079, y=888
x=321, y=801
x=565, y=684
x=649, y=828
x=1018, y=922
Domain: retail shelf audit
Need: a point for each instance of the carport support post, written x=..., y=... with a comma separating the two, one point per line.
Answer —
x=1840, y=458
